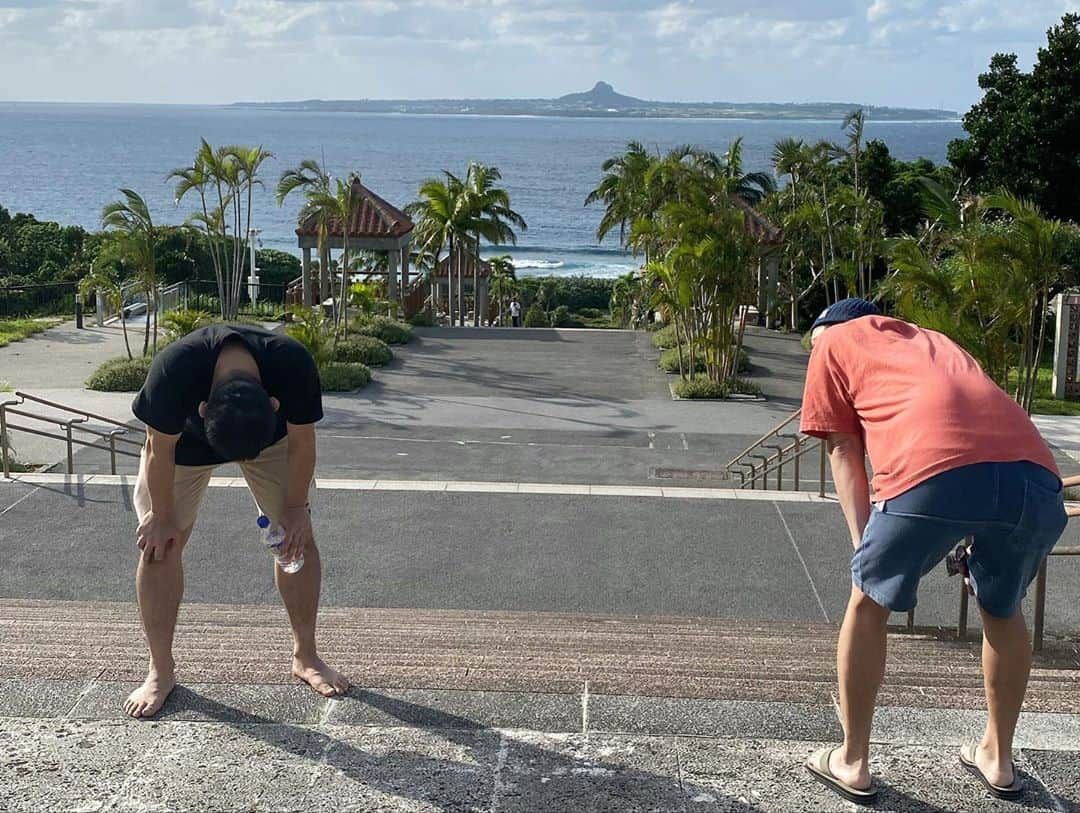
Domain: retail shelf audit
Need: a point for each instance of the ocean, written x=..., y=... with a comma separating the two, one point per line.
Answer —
x=65, y=162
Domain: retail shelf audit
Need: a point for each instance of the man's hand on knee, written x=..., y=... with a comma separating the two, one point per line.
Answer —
x=155, y=535
x=296, y=523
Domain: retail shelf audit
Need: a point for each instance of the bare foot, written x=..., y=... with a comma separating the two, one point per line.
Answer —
x=997, y=772
x=147, y=700
x=856, y=776
x=320, y=677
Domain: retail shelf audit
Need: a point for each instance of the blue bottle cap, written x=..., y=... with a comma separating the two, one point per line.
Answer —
x=264, y=522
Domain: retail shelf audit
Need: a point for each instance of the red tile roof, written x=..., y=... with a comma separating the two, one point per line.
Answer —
x=759, y=225
x=375, y=218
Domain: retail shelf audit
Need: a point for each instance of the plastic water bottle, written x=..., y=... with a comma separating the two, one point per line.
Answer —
x=273, y=538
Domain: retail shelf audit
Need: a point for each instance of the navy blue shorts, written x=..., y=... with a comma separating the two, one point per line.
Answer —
x=1014, y=511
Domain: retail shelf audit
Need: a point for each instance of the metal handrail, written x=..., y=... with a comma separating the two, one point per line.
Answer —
x=69, y=425
x=770, y=463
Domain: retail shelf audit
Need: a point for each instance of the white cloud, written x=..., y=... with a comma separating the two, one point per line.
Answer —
x=878, y=51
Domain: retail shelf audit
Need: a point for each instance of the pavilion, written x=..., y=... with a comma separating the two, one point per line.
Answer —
x=770, y=241
x=376, y=226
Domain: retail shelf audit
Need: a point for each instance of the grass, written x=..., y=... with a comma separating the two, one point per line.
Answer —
x=14, y=330
x=1044, y=403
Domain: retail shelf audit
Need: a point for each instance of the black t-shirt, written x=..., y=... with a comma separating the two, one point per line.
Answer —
x=181, y=374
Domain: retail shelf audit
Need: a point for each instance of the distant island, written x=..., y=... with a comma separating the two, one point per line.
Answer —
x=604, y=102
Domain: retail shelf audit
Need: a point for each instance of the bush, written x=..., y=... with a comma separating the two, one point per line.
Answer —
x=593, y=313
x=575, y=292
x=364, y=349
x=669, y=361
x=701, y=387
x=344, y=376
x=536, y=317
x=665, y=337
x=561, y=317
x=382, y=327
x=120, y=375
x=181, y=322
x=422, y=319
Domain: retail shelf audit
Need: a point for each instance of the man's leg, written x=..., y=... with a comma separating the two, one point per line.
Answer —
x=266, y=478
x=160, y=586
x=1006, y=662
x=300, y=594
x=860, y=665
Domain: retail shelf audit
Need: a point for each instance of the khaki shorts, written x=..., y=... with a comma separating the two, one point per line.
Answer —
x=267, y=478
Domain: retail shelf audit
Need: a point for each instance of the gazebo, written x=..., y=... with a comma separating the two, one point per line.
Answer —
x=376, y=226
x=770, y=240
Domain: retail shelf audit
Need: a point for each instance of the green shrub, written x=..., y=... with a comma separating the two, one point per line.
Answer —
x=120, y=375
x=313, y=330
x=701, y=387
x=364, y=349
x=593, y=313
x=181, y=322
x=536, y=317
x=669, y=361
x=665, y=337
x=561, y=317
x=422, y=319
x=385, y=328
x=344, y=376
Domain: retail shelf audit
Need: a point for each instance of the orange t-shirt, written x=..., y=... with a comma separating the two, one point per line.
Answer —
x=922, y=404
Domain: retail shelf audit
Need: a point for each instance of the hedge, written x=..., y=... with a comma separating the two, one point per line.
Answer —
x=536, y=317
x=701, y=387
x=384, y=328
x=120, y=375
x=364, y=349
x=344, y=376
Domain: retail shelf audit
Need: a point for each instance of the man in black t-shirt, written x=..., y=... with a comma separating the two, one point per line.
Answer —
x=226, y=393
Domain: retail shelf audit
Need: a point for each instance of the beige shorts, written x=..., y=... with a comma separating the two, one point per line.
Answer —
x=267, y=478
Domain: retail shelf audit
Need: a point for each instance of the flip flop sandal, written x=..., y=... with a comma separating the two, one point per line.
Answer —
x=818, y=765
x=1013, y=791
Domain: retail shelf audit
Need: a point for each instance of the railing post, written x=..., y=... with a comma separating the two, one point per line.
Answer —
x=821, y=475
x=112, y=453
x=70, y=454
x=798, y=442
x=911, y=620
x=961, y=623
x=4, y=442
x=1040, y=607
x=780, y=470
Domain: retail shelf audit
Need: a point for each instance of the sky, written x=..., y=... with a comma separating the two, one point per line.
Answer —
x=914, y=53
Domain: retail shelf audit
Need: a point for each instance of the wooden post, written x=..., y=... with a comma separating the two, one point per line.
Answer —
x=1040, y=607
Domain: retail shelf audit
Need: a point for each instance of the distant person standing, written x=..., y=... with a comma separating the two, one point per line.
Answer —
x=515, y=312
x=953, y=456
x=226, y=393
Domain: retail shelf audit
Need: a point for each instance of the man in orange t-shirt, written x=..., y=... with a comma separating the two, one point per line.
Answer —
x=952, y=456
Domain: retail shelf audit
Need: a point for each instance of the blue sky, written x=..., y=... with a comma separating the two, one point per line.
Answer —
x=924, y=53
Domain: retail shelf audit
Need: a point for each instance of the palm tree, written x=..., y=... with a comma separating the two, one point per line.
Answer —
x=225, y=179
x=339, y=205
x=130, y=218
x=727, y=172
x=442, y=220
x=492, y=219
x=503, y=281
x=622, y=190
x=105, y=279
x=311, y=178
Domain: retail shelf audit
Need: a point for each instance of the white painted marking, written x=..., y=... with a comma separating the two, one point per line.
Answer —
x=652, y=440
x=806, y=570
x=402, y=454
x=25, y=496
x=479, y=487
x=498, y=786
x=685, y=445
x=585, y=709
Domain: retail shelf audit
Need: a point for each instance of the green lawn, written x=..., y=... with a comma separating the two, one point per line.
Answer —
x=13, y=330
x=1044, y=403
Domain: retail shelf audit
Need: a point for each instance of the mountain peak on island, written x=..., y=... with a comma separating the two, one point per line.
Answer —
x=602, y=96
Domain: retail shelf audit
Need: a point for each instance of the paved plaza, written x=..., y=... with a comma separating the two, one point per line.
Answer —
x=545, y=590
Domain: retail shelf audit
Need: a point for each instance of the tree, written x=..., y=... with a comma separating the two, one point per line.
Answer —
x=340, y=204
x=312, y=179
x=105, y=279
x=492, y=219
x=622, y=190
x=503, y=282
x=442, y=221
x=130, y=219
x=224, y=179
x=1025, y=132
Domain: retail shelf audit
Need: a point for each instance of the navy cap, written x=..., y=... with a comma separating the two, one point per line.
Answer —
x=844, y=311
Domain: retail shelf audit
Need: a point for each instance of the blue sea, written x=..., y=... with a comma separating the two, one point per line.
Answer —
x=65, y=162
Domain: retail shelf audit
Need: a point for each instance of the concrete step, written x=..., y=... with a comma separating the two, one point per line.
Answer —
x=514, y=651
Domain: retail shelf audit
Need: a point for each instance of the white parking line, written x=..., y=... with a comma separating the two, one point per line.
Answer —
x=471, y=486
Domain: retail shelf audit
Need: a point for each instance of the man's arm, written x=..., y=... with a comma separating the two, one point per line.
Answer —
x=847, y=455
x=158, y=528
x=296, y=520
